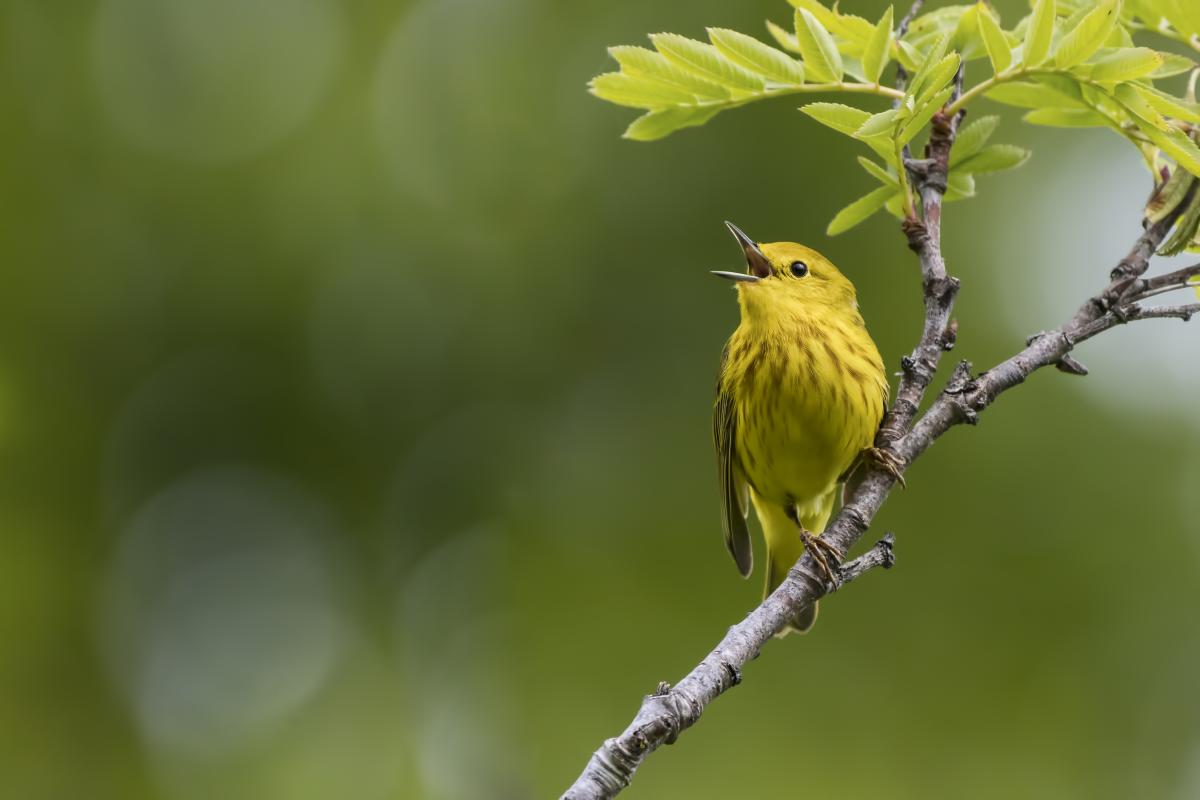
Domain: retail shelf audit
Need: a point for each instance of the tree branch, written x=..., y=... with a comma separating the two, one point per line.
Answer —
x=964, y=397
x=939, y=289
x=664, y=715
x=670, y=710
x=1171, y=280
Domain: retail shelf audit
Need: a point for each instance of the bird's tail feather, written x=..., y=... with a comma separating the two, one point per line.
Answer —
x=777, y=570
x=784, y=548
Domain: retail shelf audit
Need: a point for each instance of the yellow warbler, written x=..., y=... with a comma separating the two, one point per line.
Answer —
x=800, y=395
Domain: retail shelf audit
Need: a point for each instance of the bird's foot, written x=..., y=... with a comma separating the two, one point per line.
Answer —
x=828, y=556
x=887, y=461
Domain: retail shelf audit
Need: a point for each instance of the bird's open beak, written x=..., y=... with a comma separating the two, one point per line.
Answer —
x=757, y=265
x=735, y=276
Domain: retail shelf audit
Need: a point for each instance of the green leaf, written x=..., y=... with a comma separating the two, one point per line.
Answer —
x=706, y=61
x=1138, y=107
x=854, y=30
x=658, y=124
x=1064, y=83
x=638, y=91
x=883, y=147
x=1144, y=10
x=966, y=38
x=649, y=64
x=941, y=74
x=1174, y=143
x=844, y=119
x=854, y=69
x=1173, y=64
x=908, y=56
x=1174, y=107
x=959, y=186
x=932, y=59
x=785, y=38
x=895, y=205
x=1028, y=95
x=1039, y=33
x=827, y=17
x=859, y=210
x=1086, y=38
x=937, y=21
x=821, y=57
x=1184, y=234
x=1125, y=64
x=879, y=46
x=994, y=158
x=877, y=172
x=1067, y=118
x=999, y=53
x=746, y=51
x=972, y=137
x=922, y=116
x=881, y=124
x=1183, y=15
x=1168, y=196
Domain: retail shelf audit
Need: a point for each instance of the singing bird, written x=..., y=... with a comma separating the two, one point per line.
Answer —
x=800, y=395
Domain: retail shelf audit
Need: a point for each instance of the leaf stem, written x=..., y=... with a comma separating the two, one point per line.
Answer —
x=1009, y=75
x=841, y=86
x=805, y=88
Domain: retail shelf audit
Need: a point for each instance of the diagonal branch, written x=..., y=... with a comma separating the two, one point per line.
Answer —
x=670, y=710
x=1171, y=280
x=665, y=714
x=964, y=397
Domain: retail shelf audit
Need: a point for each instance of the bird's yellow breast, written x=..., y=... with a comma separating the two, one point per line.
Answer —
x=809, y=388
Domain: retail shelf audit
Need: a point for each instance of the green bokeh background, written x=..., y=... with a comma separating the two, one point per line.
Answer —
x=355, y=381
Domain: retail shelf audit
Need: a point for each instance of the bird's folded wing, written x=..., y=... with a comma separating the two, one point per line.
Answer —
x=734, y=490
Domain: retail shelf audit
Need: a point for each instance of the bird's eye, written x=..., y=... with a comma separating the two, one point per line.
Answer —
x=799, y=269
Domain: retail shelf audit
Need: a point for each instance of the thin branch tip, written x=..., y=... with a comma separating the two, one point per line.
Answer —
x=1070, y=366
x=882, y=554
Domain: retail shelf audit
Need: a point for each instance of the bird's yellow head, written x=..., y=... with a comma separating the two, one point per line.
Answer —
x=786, y=275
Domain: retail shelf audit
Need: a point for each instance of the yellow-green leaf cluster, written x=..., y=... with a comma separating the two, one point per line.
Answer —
x=1068, y=63
x=684, y=82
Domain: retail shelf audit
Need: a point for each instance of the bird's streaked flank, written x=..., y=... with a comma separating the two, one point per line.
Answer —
x=800, y=395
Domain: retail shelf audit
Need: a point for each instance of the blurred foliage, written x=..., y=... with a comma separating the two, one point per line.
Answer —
x=355, y=383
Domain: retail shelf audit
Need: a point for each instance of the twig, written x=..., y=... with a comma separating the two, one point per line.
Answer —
x=1167, y=281
x=907, y=19
x=670, y=710
x=964, y=396
x=939, y=333
x=1124, y=277
x=901, y=72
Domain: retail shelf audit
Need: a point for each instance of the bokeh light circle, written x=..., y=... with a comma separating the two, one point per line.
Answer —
x=214, y=81
x=220, y=615
x=471, y=126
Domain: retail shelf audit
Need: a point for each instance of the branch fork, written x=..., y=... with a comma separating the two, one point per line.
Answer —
x=903, y=435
